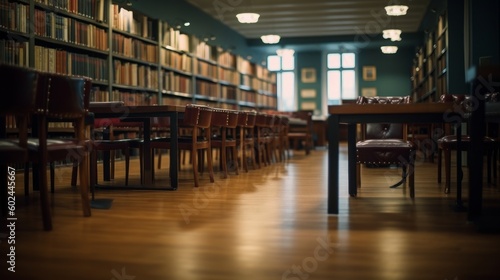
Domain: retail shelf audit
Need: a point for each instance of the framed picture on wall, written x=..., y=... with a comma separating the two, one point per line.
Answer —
x=369, y=73
x=369, y=92
x=308, y=75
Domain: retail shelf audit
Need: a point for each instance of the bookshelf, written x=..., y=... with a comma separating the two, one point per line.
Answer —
x=429, y=70
x=130, y=56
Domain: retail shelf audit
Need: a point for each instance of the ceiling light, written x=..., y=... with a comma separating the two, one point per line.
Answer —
x=270, y=39
x=187, y=23
x=396, y=10
x=389, y=49
x=285, y=52
x=248, y=17
x=393, y=34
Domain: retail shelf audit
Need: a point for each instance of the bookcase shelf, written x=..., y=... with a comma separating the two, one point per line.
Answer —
x=429, y=71
x=129, y=55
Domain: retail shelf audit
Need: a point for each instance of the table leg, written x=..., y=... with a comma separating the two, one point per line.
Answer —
x=351, y=146
x=147, y=154
x=174, y=151
x=333, y=164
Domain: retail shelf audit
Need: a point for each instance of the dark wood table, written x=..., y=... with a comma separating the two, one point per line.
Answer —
x=144, y=115
x=352, y=114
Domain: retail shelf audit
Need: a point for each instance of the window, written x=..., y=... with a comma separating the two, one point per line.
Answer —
x=284, y=67
x=341, y=77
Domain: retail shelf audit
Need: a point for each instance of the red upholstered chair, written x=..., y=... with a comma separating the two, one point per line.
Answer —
x=18, y=93
x=386, y=144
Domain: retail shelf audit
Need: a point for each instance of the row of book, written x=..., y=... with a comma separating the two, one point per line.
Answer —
x=174, y=38
x=267, y=101
x=180, y=61
x=203, y=50
x=207, y=89
x=230, y=76
x=177, y=83
x=228, y=93
x=14, y=16
x=205, y=69
x=63, y=62
x=58, y=27
x=134, y=23
x=93, y=9
x=133, y=74
x=135, y=98
x=14, y=52
x=226, y=59
x=134, y=48
x=247, y=96
x=171, y=100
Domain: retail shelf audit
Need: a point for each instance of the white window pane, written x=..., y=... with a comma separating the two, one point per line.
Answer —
x=288, y=62
x=348, y=60
x=273, y=63
x=286, y=91
x=333, y=60
x=333, y=85
x=348, y=84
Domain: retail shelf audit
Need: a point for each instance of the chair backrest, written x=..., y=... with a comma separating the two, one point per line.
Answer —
x=62, y=96
x=197, y=116
x=18, y=89
x=224, y=118
x=384, y=130
x=247, y=118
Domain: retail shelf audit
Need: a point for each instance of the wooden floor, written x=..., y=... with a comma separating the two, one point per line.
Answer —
x=266, y=224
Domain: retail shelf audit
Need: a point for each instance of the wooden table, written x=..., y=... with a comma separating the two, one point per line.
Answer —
x=144, y=114
x=352, y=114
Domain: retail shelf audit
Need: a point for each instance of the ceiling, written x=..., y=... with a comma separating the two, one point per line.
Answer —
x=312, y=19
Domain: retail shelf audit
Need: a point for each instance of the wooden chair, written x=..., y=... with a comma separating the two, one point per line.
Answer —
x=246, y=139
x=18, y=93
x=224, y=122
x=263, y=127
x=386, y=144
x=197, y=118
x=300, y=130
x=60, y=98
x=449, y=143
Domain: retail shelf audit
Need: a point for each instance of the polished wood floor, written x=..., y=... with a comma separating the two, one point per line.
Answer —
x=266, y=224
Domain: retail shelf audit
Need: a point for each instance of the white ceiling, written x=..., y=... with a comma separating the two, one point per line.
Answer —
x=313, y=18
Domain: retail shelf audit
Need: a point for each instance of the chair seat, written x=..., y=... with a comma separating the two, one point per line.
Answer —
x=11, y=151
x=384, y=151
x=449, y=142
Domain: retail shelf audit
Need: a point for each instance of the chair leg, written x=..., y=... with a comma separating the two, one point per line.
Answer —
x=84, y=185
x=411, y=175
x=74, y=174
x=194, y=156
x=223, y=161
x=447, y=170
x=210, y=165
x=44, y=196
x=126, y=152
x=52, y=175
x=26, y=179
x=358, y=175
x=235, y=160
x=439, y=163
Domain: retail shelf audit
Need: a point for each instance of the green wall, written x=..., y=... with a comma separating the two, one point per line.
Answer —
x=392, y=71
x=309, y=60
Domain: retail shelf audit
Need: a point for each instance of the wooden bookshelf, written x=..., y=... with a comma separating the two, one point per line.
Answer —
x=429, y=70
x=130, y=56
